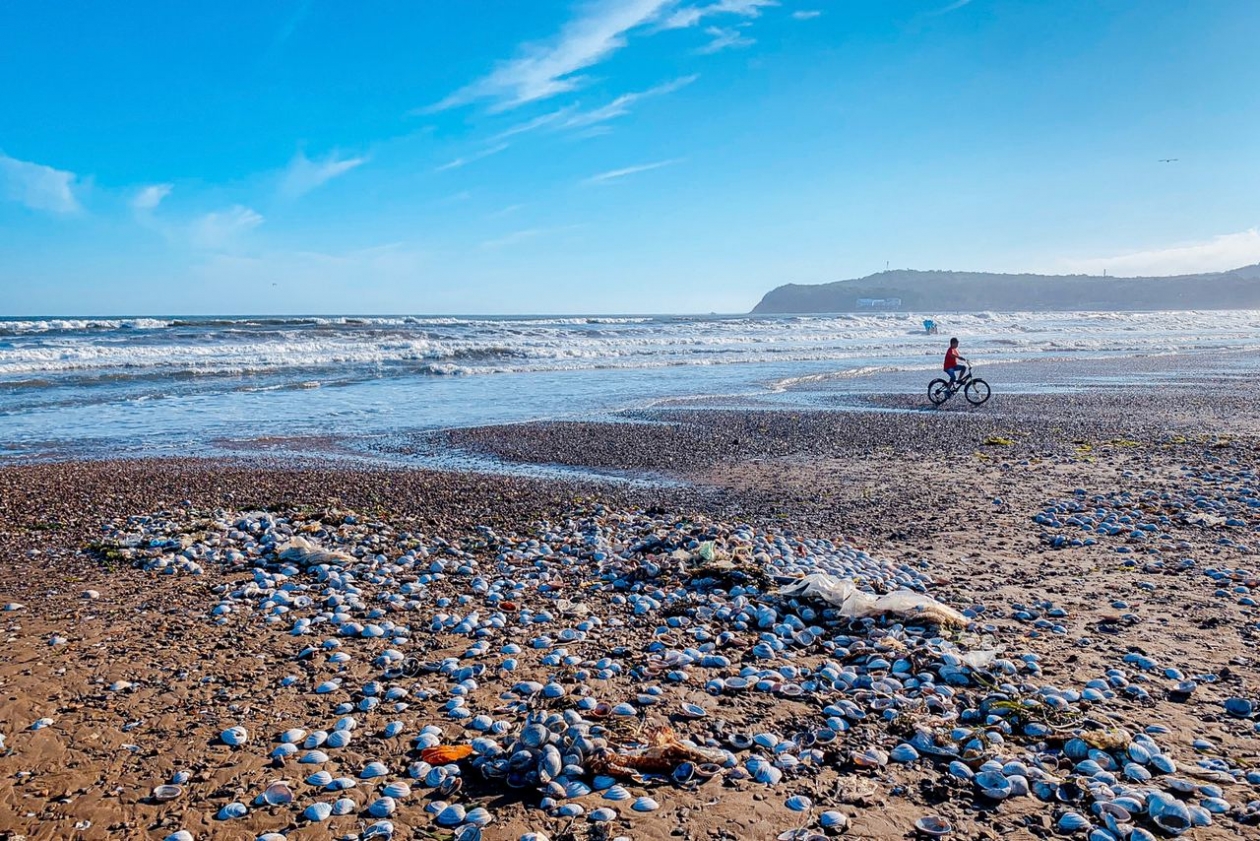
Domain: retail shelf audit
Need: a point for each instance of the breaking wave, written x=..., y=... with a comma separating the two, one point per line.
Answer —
x=52, y=352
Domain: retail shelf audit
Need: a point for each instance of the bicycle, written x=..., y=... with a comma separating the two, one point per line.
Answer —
x=974, y=389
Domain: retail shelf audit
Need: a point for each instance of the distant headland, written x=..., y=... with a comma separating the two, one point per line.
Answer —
x=945, y=291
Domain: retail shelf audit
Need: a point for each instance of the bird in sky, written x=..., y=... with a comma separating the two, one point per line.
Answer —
x=1168, y=160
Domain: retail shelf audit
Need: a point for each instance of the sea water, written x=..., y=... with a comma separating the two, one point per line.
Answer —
x=176, y=386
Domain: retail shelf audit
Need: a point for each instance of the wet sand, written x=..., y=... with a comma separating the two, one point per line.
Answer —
x=955, y=491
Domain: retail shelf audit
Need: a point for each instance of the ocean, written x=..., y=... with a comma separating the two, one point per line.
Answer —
x=128, y=387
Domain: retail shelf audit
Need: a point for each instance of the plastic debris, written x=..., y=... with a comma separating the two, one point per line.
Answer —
x=853, y=603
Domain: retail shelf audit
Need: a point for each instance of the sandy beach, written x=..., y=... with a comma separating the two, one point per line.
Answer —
x=419, y=424
x=137, y=669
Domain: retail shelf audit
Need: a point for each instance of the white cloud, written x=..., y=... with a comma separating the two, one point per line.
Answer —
x=545, y=70
x=571, y=118
x=692, y=15
x=723, y=39
x=220, y=229
x=290, y=26
x=525, y=235
x=618, y=174
x=806, y=14
x=305, y=175
x=534, y=124
x=475, y=156
x=1220, y=253
x=620, y=106
x=37, y=186
x=150, y=197
x=593, y=131
x=506, y=211
x=514, y=237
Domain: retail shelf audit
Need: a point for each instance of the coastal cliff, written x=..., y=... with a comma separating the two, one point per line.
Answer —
x=947, y=291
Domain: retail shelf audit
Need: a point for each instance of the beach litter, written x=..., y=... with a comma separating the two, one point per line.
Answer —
x=301, y=551
x=853, y=603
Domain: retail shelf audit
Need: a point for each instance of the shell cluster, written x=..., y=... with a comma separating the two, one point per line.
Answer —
x=1225, y=500
x=1143, y=527
x=624, y=647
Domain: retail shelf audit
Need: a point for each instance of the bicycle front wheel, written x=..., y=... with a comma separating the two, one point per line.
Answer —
x=977, y=392
x=938, y=392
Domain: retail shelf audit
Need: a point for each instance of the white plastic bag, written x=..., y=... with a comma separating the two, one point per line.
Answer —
x=853, y=603
x=301, y=551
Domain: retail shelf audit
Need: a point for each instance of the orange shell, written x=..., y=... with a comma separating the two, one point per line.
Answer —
x=445, y=754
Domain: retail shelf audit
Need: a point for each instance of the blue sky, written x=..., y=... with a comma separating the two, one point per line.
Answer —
x=609, y=156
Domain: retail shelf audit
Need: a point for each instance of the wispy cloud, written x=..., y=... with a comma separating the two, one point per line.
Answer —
x=538, y=122
x=952, y=7
x=810, y=14
x=525, y=235
x=514, y=238
x=545, y=70
x=37, y=186
x=1218, y=254
x=723, y=39
x=594, y=131
x=618, y=174
x=692, y=15
x=304, y=175
x=221, y=229
x=475, y=156
x=620, y=106
x=291, y=24
x=150, y=197
x=572, y=118
x=505, y=211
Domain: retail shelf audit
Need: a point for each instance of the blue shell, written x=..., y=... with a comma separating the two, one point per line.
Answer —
x=232, y=810
x=903, y=753
x=318, y=812
x=1240, y=707
x=993, y=784
x=452, y=815
x=1073, y=822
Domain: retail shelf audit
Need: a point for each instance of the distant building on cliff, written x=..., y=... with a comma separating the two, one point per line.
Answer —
x=878, y=303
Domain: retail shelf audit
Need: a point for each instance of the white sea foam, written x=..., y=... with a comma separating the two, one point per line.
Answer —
x=385, y=346
x=161, y=386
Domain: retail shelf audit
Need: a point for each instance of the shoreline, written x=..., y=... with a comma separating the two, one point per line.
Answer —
x=1134, y=384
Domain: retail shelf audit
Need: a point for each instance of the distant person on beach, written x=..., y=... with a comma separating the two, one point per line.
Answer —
x=929, y=327
x=953, y=361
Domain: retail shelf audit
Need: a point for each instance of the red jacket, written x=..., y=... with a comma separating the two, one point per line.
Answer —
x=951, y=358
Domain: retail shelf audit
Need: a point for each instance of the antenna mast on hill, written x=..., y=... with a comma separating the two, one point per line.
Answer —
x=886, y=265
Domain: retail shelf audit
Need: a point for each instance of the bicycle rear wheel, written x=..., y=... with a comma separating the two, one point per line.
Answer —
x=977, y=392
x=938, y=391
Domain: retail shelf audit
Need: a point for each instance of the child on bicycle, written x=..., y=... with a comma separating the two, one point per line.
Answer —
x=953, y=362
